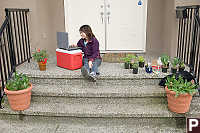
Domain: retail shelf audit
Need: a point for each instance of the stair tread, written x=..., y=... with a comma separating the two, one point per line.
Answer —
x=98, y=90
x=89, y=125
x=102, y=107
x=107, y=70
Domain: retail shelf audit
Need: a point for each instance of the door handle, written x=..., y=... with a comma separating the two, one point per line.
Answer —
x=101, y=17
x=108, y=14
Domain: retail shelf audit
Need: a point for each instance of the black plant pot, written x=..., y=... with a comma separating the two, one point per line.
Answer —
x=141, y=64
x=164, y=69
x=131, y=66
x=168, y=65
x=181, y=69
x=174, y=70
x=126, y=65
x=135, y=70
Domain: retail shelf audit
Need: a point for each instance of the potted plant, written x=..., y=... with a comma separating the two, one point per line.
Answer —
x=135, y=66
x=181, y=66
x=179, y=93
x=41, y=57
x=174, y=63
x=165, y=62
x=134, y=59
x=141, y=61
x=18, y=91
x=127, y=62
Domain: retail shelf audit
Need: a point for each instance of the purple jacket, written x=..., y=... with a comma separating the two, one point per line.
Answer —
x=91, y=50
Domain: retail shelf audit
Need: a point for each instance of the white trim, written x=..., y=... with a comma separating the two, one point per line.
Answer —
x=122, y=51
x=66, y=3
x=69, y=52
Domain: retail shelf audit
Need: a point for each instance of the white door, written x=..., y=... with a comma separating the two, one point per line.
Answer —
x=119, y=25
x=126, y=25
x=81, y=12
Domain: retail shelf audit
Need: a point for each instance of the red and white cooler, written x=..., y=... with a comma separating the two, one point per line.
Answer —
x=69, y=59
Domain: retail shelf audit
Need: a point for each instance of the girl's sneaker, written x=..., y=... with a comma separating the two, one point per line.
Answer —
x=92, y=77
x=84, y=72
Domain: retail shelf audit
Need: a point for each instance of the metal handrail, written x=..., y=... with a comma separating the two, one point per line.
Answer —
x=14, y=44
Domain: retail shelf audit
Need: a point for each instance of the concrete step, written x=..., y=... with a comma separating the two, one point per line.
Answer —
x=111, y=73
x=100, y=81
x=115, y=91
x=41, y=124
x=102, y=107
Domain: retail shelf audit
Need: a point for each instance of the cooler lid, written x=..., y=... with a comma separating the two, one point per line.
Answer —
x=69, y=52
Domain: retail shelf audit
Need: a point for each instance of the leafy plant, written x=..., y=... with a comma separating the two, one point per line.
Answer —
x=180, y=86
x=135, y=65
x=126, y=59
x=175, y=62
x=140, y=58
x=18, y=82
x=40, y=56
x=165, y=60
x=181, y=64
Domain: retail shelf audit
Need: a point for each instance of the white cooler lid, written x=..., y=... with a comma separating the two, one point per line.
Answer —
x=69, y=52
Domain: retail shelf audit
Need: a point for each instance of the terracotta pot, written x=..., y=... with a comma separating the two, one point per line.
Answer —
x=42, y=66
x=19, y=100
x=180, y=104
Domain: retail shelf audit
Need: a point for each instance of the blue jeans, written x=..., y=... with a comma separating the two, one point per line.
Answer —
x=95, y=64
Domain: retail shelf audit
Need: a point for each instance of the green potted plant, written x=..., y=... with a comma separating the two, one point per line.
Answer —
x=179, y=93
x=127, y=62
x=135, y=66
x=41, y=57
x=133, y=60
x=165, y=62
x=181, y=66
x=141, y=61
x=18, y=91
x=174, y=63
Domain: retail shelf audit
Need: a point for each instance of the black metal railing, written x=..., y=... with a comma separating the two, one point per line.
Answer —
x=189, y=38
x=14, y=44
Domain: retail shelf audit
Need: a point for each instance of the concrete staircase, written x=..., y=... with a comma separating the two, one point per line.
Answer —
x=119, y=102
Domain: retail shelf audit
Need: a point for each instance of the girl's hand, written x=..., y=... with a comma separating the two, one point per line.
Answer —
x=90, y=64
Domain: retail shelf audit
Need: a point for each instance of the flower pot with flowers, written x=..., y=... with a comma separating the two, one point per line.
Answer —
x=41, y=57
x=179, y=93
x=18, y=91
x=174, y=63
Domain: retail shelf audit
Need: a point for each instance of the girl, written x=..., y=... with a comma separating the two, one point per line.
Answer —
x=90, y=47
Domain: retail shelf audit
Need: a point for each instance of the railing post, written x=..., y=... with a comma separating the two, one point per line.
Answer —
x=192, y=52
x=10, y=39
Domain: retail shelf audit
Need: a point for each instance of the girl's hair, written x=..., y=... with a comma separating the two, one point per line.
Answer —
x=87, y=30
